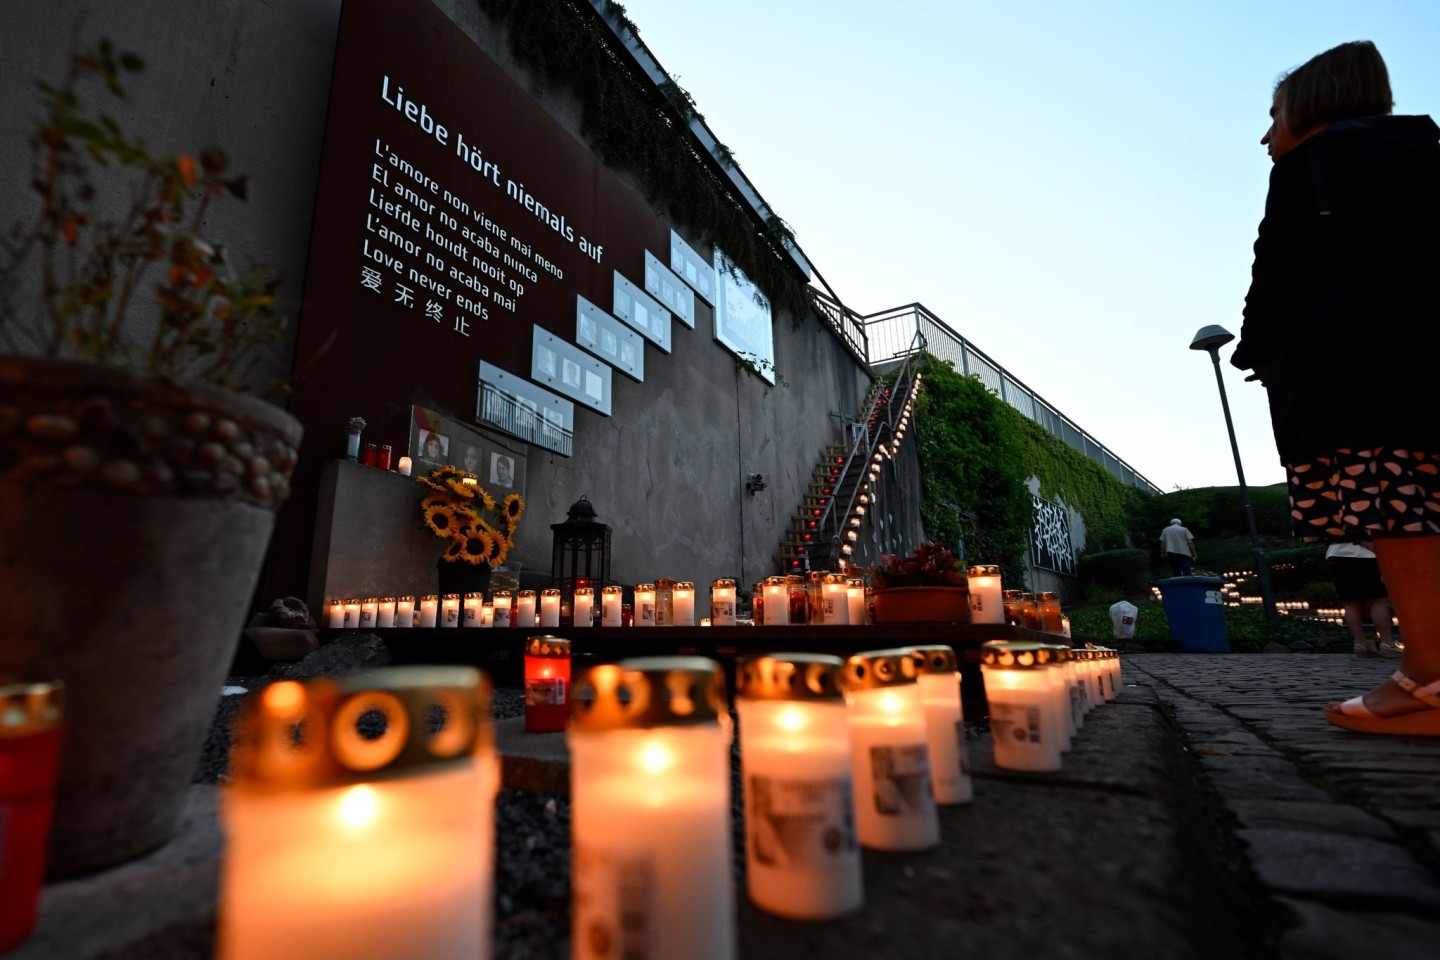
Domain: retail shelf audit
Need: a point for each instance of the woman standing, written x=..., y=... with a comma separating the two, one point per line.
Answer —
x=1346, y=289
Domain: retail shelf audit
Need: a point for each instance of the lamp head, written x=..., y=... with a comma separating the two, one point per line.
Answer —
x=1212, y=337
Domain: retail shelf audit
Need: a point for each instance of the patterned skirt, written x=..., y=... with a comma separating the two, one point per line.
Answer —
x=1359, y=494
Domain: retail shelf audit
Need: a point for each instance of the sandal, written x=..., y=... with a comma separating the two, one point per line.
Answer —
x=1366, y=651
x=1354, y=715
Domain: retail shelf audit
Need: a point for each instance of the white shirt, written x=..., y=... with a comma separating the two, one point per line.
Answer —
x=1176, y=539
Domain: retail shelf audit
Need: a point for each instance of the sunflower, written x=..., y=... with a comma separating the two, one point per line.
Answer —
x=513, y=508
x=476, y=545
x=442, y=520
x=500, y=547
x=454, y=551
x=434, y=500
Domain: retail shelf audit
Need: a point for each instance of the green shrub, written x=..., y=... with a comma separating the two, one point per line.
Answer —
x=1115, y=572
x=1296, y=568
x=1321, y=593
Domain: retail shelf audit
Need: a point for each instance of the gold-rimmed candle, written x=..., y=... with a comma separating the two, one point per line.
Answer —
x=335, y=613
x=525, y=609
x=890, y=753
x=1048, y=602
x=835, y=599
x=644, y=605
x=369, y=607
x=1017, y=688
x=385, y=613
x=777, y=601
x=855, y=600
x=502, y=600
x=352, y=613
x=355, y=845
x=722, y=602
x=550, y=607
x=31, y=729
x=987, y=603
x=1061, y=695
x=405, y=612
x=936, y=667
x=802, y=858
x=584, y=607
x=487, y=615
x=612, y=600
x=473, y=602
x=429, y=610
x=683, y=603
x=650, y=811
x=547, y=684
x=450, y=610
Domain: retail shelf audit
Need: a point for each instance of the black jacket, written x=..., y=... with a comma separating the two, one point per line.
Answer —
x=1343, y=313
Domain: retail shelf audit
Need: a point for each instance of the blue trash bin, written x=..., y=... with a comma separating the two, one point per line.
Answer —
x=1196, y=611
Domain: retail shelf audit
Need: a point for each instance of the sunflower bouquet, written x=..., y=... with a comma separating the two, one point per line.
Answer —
x=458, y=509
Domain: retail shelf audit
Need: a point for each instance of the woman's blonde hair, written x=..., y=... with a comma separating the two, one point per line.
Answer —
x=1342, y=83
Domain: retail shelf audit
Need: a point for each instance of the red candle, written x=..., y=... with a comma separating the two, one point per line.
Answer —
x=29, y=761
x=367, y=456
x=547, y=684
x=382, y=460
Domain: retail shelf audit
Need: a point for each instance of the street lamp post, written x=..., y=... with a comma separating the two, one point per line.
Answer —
x=1211, y=339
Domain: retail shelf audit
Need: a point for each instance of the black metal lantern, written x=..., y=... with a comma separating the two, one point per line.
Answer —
x=581, y=556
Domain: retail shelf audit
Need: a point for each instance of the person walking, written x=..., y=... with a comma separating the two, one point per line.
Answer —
x=1179, y=548
x=1362, y=594
x=1346, y=277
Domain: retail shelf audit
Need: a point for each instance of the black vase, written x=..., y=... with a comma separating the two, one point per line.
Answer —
x=463, y=578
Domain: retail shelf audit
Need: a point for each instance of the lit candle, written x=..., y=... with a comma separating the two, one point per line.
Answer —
x=611, y=600
x=450, y=610
x=722, y=602
x=547, y=684
x=802, y=860
x=683, y=604
x=1064, y=626
x=404, y=466
x=473, y=602
x=890, y=757
x=352, y=613
x=335, y=614
x=644, y=604
x=664, y=602
x=525, y=609
x=1062, y=696
x=369, y=607
x=1079, y=705
x=502, y=608
x=939, y=684
x=385, y=613
x=1017, y=688
x=429, y=608
x=704, y=621
x=550, y=607
x=855, y=600
x=487, y=615
x=356, y=847
x=584, y=606
x=30, y=740
x=777, y=601
x=986, y=595
x=650, y=812
x=405, y=612
x=1014, y=605
x=1049, y=603
x=835, y=599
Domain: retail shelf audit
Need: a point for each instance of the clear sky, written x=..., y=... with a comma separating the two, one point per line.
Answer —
x=1072, y=186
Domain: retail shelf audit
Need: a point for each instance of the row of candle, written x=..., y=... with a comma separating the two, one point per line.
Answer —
x=1038, y=696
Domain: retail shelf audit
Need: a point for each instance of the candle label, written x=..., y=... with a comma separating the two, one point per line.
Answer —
x=900, y=779
x=722, y=610
x=799, y=824
x=1016, y=723
x=545, y=692
x=350, y=619
x=977, y=601
x=472, y=617
x=614, y=902
x=452, y=615
x=647, y=613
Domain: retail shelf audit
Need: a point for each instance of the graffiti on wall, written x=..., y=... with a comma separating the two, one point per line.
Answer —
x=1050, y=546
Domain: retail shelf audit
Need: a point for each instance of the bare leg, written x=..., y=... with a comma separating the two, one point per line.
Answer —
x=1355, y=620
x=1380, y=616
x=1411, y=567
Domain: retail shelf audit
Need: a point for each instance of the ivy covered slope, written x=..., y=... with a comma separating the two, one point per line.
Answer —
x=977, y=454
x=636, y=126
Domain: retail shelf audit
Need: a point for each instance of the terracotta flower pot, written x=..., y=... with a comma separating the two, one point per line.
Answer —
x=922, y=605
x=134, y=516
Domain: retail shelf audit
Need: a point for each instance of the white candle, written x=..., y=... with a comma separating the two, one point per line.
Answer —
x=777, y=602
x=369, y=607
x=1076, y=684
x=352, y=614
x=1018, y=691
x=650, y=814
x=550, y=608
x=403, y=466
x=722, y=603
x=611, y=599
x=385, y=613
x=683, y=604
x=525, y=609
x=1065, y=626
x=429, y=610
x=890, y=757
x=944, y=724
x=326, y=859
x=987, y=594
x=584, y=607
x=487, y=616
x=450, y=610
x=335, y=614
x=1061, y=697
x=835, y=599
x=502, y=608
x=644, y=605
x=802, y=858
x=473, y=602
x=855, y=600
x=405, y=612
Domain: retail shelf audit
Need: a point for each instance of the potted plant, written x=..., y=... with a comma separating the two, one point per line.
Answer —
x=929, y=585
x=138, y=487
x=479, y=532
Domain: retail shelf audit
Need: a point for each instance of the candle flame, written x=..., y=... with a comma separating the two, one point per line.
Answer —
x=284, y=697
x=890, y=703
x=358, y=807
x=655, y=759
x=791, y=719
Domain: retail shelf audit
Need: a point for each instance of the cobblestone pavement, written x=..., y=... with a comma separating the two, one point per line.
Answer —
x=1340, y=829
